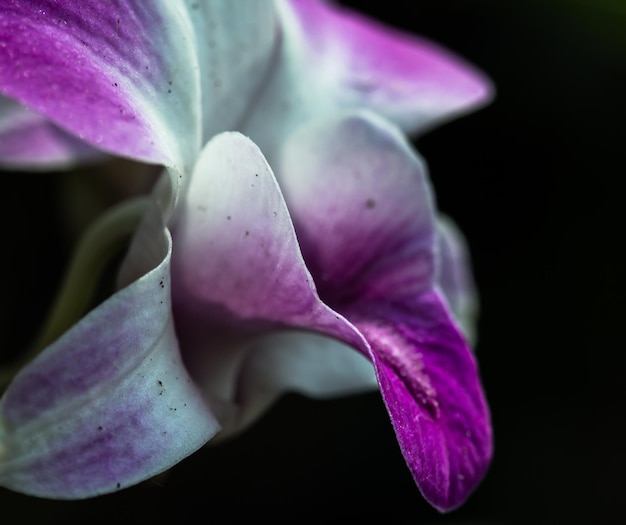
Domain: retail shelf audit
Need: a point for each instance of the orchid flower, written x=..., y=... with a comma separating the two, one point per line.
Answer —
x=328, y=273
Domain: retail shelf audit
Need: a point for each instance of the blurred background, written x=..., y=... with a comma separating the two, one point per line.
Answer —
x=534, y=181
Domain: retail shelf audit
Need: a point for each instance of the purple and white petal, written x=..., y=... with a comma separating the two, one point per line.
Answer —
x=103, y=71
x=454, y=276
x=430, y=384
x=364, y=216
x=30, y=141
x=144, y=80
x=238, y=277
x=236, y=254
x=356, y=190
x=107, y=405
x=332, y=58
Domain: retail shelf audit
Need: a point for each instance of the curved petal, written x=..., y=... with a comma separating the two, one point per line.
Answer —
x=454, y=276
x=238, y=275
x=372, y=197
x=143, y=80
x=236, y=254
x=332, y=58
x=363, y=213
x=307, y=363
x=109, y=404
x=356, y=190
x=290, y=361
x=430, y=384
x=30, y=141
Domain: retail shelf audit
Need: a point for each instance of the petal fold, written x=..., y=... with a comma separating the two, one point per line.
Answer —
x=110, y=403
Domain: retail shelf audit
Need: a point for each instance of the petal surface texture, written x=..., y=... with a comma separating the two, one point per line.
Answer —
x=365, y=219
x=332, y=58
x=109, y=404
x=145, y=80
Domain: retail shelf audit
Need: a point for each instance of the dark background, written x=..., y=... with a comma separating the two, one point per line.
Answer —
x=535, y=182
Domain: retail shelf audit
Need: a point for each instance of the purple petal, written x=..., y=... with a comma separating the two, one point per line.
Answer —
x=332, y=58
x=109, y=404
x=29, y=141
x=364, y=216
x=454, y=276
x=362, y=208
x=430, y=384
x=408, y=79
x=92, y=68
x=143, y=80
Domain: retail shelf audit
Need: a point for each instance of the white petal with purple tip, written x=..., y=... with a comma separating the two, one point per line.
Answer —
x=365, y=219
x=334, y=59
x=144, y=80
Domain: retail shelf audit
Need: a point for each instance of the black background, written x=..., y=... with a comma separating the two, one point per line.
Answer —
x=535, y=182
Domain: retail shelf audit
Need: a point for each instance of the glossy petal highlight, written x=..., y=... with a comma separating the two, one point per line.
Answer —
x=109, y=404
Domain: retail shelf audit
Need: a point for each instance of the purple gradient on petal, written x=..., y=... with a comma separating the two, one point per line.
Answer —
x=144, y=421
x=431, y=387
x=109, y=404
x=236, y=250
x=362, y=208
x=70, y=61
x=99, y=454
x=30, y=141
x=370, y=268
x=403, y=76
x=49, y=384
